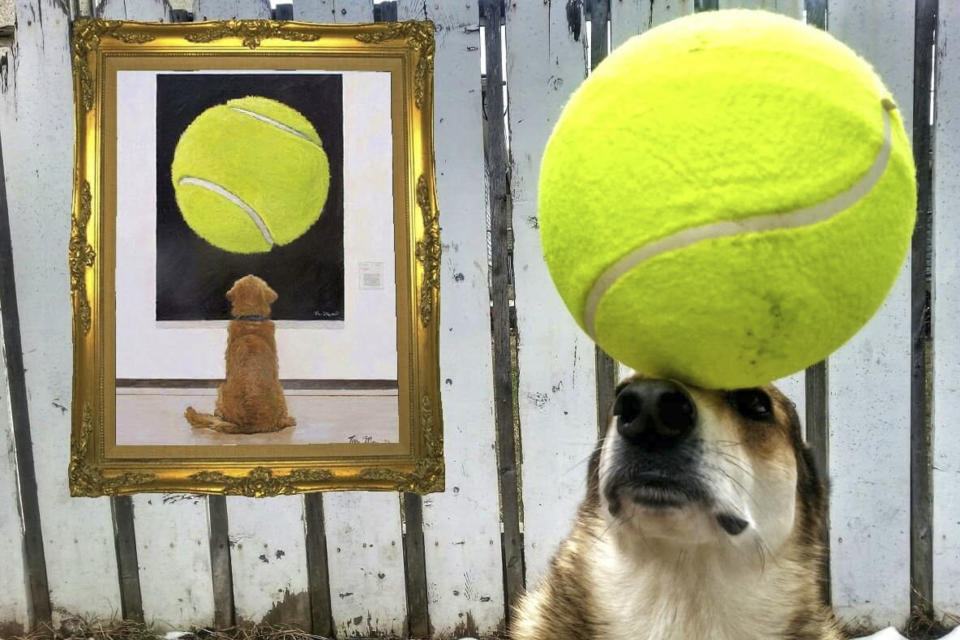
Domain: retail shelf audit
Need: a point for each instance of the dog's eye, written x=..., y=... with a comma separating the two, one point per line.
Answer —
x=754, y=404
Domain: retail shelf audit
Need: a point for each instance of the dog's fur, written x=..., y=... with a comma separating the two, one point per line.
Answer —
x=634, y=571
x=250, y=400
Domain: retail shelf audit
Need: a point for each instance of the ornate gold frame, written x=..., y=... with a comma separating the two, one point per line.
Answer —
x=99, y=47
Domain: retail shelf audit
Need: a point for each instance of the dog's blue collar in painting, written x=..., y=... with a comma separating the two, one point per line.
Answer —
x=252, y=318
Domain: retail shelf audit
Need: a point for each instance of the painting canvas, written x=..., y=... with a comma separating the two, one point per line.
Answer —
x=331, y=398
x=266, y=294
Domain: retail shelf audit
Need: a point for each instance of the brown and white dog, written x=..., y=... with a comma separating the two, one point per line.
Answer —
x=250, y=400
x=702, y=521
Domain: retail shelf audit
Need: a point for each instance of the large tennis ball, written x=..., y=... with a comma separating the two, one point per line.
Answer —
x=727, y=199
x=250, y=174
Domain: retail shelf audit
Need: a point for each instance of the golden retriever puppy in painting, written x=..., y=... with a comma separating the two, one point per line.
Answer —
x=250, y=400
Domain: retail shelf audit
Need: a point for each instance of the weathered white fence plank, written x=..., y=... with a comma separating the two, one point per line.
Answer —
x=630, y=17
x=267, y=536
x=333, y=10
x=226, y=9
x=13, y=594
x=870, y=381
x=146, y=10
x=173, y=543
x=37, y=138
x=546, y=61
x=788, y=7
x=365, y=557
x=364, y=537
x=946, y=349
x=461, y=525
x=269, y=560
x=173, y=553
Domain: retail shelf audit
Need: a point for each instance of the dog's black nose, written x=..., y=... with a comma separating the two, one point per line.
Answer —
x=654, y=414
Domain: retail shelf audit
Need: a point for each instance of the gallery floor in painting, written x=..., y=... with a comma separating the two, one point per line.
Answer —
x=153, y=416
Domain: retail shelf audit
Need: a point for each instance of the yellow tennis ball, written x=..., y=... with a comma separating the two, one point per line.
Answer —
x=250, y=174
x=727, y=199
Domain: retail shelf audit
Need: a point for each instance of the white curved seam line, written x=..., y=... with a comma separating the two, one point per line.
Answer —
x=276, y=123
x=235, y=199
x=770, y=222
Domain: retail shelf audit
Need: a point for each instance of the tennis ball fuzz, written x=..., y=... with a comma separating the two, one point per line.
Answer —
x=727, y=199
x=250, y=174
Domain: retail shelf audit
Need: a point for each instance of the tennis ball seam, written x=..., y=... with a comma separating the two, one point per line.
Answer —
x=213, y=187
x=802, y=217
x=274, y=123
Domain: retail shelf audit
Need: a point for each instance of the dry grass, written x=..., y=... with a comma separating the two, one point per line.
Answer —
x=83, y=629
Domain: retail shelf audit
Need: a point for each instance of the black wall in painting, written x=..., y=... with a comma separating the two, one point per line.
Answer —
x=193, y=275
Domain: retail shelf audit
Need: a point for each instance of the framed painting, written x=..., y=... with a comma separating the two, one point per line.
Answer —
x=254, y=259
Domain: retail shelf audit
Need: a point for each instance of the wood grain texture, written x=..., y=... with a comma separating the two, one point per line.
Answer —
x=173, y=549
x=501, y=269
x=268, y=559
x=462, y=526
x=365, y=559
x=415, y=567
x=221, y=572
x=788, y=7
x=14, y=603
x=125, y=544
x=333, y=10
x=318, y=570
x=145, y=10
x=226, y=9
x=946, y=310
x=921, y=321
x=38, y=132
x=557, y=395
x=870, y=381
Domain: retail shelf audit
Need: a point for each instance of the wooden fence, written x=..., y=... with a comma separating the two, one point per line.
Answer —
x=882, y=413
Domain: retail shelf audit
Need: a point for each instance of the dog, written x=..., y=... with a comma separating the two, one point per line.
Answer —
x=250, y=400
x=703, y=520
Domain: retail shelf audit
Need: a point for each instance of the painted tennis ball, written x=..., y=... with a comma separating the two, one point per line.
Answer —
x=250, y=174
x=727, y=199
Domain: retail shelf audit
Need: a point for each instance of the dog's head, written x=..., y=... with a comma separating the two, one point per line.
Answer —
x=691, y=466
x=250, y=296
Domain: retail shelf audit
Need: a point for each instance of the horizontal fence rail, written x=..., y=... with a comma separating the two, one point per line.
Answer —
x=524, y=390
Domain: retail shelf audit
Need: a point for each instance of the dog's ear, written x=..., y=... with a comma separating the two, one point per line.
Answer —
x=269, y=295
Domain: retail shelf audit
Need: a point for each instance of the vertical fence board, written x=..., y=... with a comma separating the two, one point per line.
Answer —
x=171, y=531
x=869, y=381
x=13, y=594
x=788, y=7
x=946, y=189
x=38, y=133
x=225, y=9
x=461, y=525
x=501, y=271
x=269, y=561
x=363, y=534
x=146, y=10
x=546, y=61
x=627, y=19
x=267, y=553
x=921, y=336
x=365, y=557
x=173, y=548
x=333, y=10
